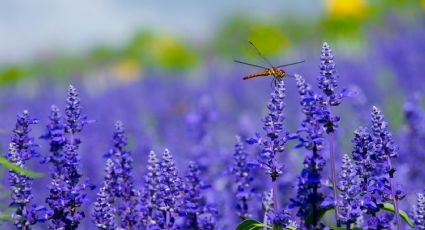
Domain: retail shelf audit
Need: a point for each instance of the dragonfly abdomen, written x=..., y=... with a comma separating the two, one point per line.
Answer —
x=258, y=74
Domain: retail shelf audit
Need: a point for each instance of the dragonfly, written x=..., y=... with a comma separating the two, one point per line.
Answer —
x=275, y=71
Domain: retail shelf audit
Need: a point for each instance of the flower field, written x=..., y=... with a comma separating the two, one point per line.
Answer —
x=337, y=143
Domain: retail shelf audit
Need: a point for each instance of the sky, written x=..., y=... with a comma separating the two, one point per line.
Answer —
x=30, y=29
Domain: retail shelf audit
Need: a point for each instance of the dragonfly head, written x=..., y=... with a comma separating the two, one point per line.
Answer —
x=276, y=72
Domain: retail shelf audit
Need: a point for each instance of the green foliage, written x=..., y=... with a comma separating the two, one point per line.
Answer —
x=390, y=208
x=5, y=215
x=11, y=74
x=251, y=224
x=386, y=207
x=10, y=165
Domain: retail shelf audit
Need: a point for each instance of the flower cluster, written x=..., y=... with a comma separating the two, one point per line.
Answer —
x=126, y=197
x=364, y=164
x=104, y=211
x=349, y=187
x=419, y=212
x=273, y=126
x=243, y=180
x=66, y=192
x=367, y=195
x=328, y=76
x=21, y=150
x=310, y=135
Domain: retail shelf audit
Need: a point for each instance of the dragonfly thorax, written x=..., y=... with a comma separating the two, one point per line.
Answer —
x=276, y=72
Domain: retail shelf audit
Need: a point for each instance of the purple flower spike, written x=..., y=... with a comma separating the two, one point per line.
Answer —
x=328, y=84
x=21, y=149
x=67, y=191
x=128, y=198
x=383, y=140
x=192, y=199
x=170, y=187
x=207, y=219
x=384, y=150
x=282, y=219
x=75, y=120
x=419, y=212
x=243, y=179
x=310, y=135
x=362, y=152
x=55, y=134
x=276, y=138
x=104, y=211
x=328, y=76
x=150, y=195
x=349, y=204
x=196, y=212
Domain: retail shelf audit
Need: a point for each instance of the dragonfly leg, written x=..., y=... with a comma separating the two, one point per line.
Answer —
x=273, y=83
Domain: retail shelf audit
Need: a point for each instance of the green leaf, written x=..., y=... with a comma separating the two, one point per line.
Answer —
x=320, y=213
x=390, y=208
x=18, y=169
x=250, y=224
x=5, y=216
x=291, y=228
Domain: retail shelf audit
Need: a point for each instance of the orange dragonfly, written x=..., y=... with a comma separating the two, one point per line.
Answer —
x=275, y=71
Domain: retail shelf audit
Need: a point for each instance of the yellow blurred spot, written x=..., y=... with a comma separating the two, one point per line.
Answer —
x=423, y=4
x=342, y=8
x=170, y=53
x=127, y=69
x=267, y=38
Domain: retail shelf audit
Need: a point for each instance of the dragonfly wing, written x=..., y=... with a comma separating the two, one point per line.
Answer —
x=246, y=63
x=280, y=66
x=259, y=54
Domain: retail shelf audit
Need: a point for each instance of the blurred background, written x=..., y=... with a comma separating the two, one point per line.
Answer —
x=166, y=70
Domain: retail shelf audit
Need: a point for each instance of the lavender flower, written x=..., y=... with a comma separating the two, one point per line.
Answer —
x=192, y=196
x=275, y=144
x=267, y=206
x=67, y=192
x=207, y=218
x=151, y=197
x=328, y=84
x=384, y=144
x=56, y=136
x=192, y=199
x=349, y=205
x=196, y=213
x=170, y=187
x=75, y=190
x=104, y=211
x=57, y=188
x=362, y=151
x=20, y=187
x=24, y=143
x=383, y=152
x=310, y=134
x=21, y=149
x=282, y=219
x=419, y=212
x=243, y=179
x=128, y=197
x=328, y=76
x=75, y=121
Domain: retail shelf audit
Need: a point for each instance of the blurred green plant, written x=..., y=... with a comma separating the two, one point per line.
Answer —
x=7, y=164
x=342, y=22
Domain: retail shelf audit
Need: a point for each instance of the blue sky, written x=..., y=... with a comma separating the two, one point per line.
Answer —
x=31, y=29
